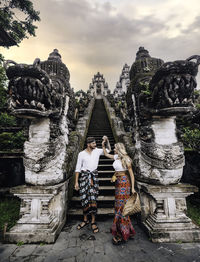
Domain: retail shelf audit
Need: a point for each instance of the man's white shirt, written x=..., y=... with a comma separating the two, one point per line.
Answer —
x=88, y=161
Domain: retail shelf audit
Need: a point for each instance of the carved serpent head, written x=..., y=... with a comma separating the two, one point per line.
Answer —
x=173, y=84
x=34, y=92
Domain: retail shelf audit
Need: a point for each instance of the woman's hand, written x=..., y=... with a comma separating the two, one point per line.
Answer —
x=133, y=190
x=105, y=138
x=76, y=187
x=103, y=143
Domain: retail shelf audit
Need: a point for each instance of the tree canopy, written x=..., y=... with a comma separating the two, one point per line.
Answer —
x=3, y=79
x=17, y=18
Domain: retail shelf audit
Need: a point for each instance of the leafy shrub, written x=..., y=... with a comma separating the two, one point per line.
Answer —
x=193, y=211
x=7, y=120
x=9, y=210
x=191, y=138
x=10, y=141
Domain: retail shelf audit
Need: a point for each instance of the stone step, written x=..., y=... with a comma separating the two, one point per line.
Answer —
x=104, y=178
x=99, y=140
x=105, y=159
x=99, y=136
x=100, y=198
x=101, y=211
x=105, y=181
x=106, y=188
x=106, y=172
x=105, y=167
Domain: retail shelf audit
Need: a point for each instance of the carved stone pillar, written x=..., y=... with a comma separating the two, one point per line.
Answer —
x=41, y=92
x=158, y=93
x=165, y=218
x=43, y=213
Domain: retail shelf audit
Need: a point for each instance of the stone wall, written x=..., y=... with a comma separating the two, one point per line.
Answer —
x=11, y=172
x=118, y=129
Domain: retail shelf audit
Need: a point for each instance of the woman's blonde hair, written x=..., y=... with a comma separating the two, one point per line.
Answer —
x=122, y=154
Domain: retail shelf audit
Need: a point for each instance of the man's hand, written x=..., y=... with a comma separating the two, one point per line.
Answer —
x=76, y=187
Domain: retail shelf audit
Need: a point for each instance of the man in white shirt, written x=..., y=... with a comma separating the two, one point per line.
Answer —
x=87, y=183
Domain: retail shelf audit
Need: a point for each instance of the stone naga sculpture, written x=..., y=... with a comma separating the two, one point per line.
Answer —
x=41, y=92
x=158, y=92
x=161, y=91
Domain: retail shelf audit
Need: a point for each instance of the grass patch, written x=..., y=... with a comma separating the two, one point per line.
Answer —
x=9, y=210
x=193, y=212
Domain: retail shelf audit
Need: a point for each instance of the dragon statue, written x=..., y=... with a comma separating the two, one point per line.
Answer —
x=41, y=92
x=160, y=91
x=157, y=94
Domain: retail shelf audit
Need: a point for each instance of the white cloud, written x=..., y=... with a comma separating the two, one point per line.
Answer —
x=101, y=35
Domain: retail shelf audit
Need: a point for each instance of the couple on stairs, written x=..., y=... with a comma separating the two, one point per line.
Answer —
x=86, y=181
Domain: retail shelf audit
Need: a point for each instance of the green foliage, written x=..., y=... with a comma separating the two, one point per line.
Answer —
x=10, y=141
x=197, y=92
x=191, y=138
x=7, y=120
x=145, y=88
x=20, y=243
x=22, y=26
x=193, y=211
x=3, y=84
x=9, y=210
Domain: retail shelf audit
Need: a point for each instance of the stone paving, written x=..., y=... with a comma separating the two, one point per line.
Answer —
x=83, y=246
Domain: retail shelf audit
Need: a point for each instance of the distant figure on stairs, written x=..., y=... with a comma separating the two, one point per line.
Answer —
x=86, y=180
x=122, y=228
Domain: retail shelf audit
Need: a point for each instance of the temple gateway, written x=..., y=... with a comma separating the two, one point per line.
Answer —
x=141, y=112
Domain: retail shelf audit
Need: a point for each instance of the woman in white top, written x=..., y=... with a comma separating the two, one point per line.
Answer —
x=122, y=228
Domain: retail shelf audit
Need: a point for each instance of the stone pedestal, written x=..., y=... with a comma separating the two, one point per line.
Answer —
x=164, y=212
x=43, y=213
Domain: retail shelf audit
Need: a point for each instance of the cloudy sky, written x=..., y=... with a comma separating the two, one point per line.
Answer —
x=103, y=35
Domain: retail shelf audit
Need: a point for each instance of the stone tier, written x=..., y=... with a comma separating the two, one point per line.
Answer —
x=164, y=212
x=43, y=213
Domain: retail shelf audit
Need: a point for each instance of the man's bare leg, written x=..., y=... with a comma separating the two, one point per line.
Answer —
x=94, y=225
x=84, y=223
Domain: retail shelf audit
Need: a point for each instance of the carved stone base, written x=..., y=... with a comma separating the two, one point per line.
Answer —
x=43, y=213
x=164, y=212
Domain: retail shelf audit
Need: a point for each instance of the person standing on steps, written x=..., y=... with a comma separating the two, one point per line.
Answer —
x=86, y=180
x=122, y=228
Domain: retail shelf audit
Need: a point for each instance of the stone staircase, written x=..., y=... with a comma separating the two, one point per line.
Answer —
x=99, y=126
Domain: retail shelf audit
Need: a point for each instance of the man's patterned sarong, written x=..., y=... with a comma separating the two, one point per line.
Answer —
x=89, y=190
x=122, y=226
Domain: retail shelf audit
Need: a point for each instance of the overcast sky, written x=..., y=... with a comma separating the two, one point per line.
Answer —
x=103, y=35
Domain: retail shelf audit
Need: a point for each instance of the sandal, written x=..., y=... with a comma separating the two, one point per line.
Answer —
x=96, y=229
x=83, y=224
x=117, y=241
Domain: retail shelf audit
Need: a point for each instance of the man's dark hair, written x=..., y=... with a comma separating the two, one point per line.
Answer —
x=90, y=139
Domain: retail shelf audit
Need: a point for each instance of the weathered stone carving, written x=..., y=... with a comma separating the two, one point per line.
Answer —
x=159, y=92
x=42, y=96
x=173, y=85
x=41, y=92
x=82, y=101
x=98, y=87
x=33, y=92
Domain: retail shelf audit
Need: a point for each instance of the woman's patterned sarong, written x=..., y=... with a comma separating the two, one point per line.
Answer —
x=122, y=226
x=89, y=190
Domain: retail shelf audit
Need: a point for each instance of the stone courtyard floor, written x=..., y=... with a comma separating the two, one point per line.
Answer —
x=82, y=245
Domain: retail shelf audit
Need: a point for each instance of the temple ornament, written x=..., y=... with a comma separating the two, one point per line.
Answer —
x=158, y=93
